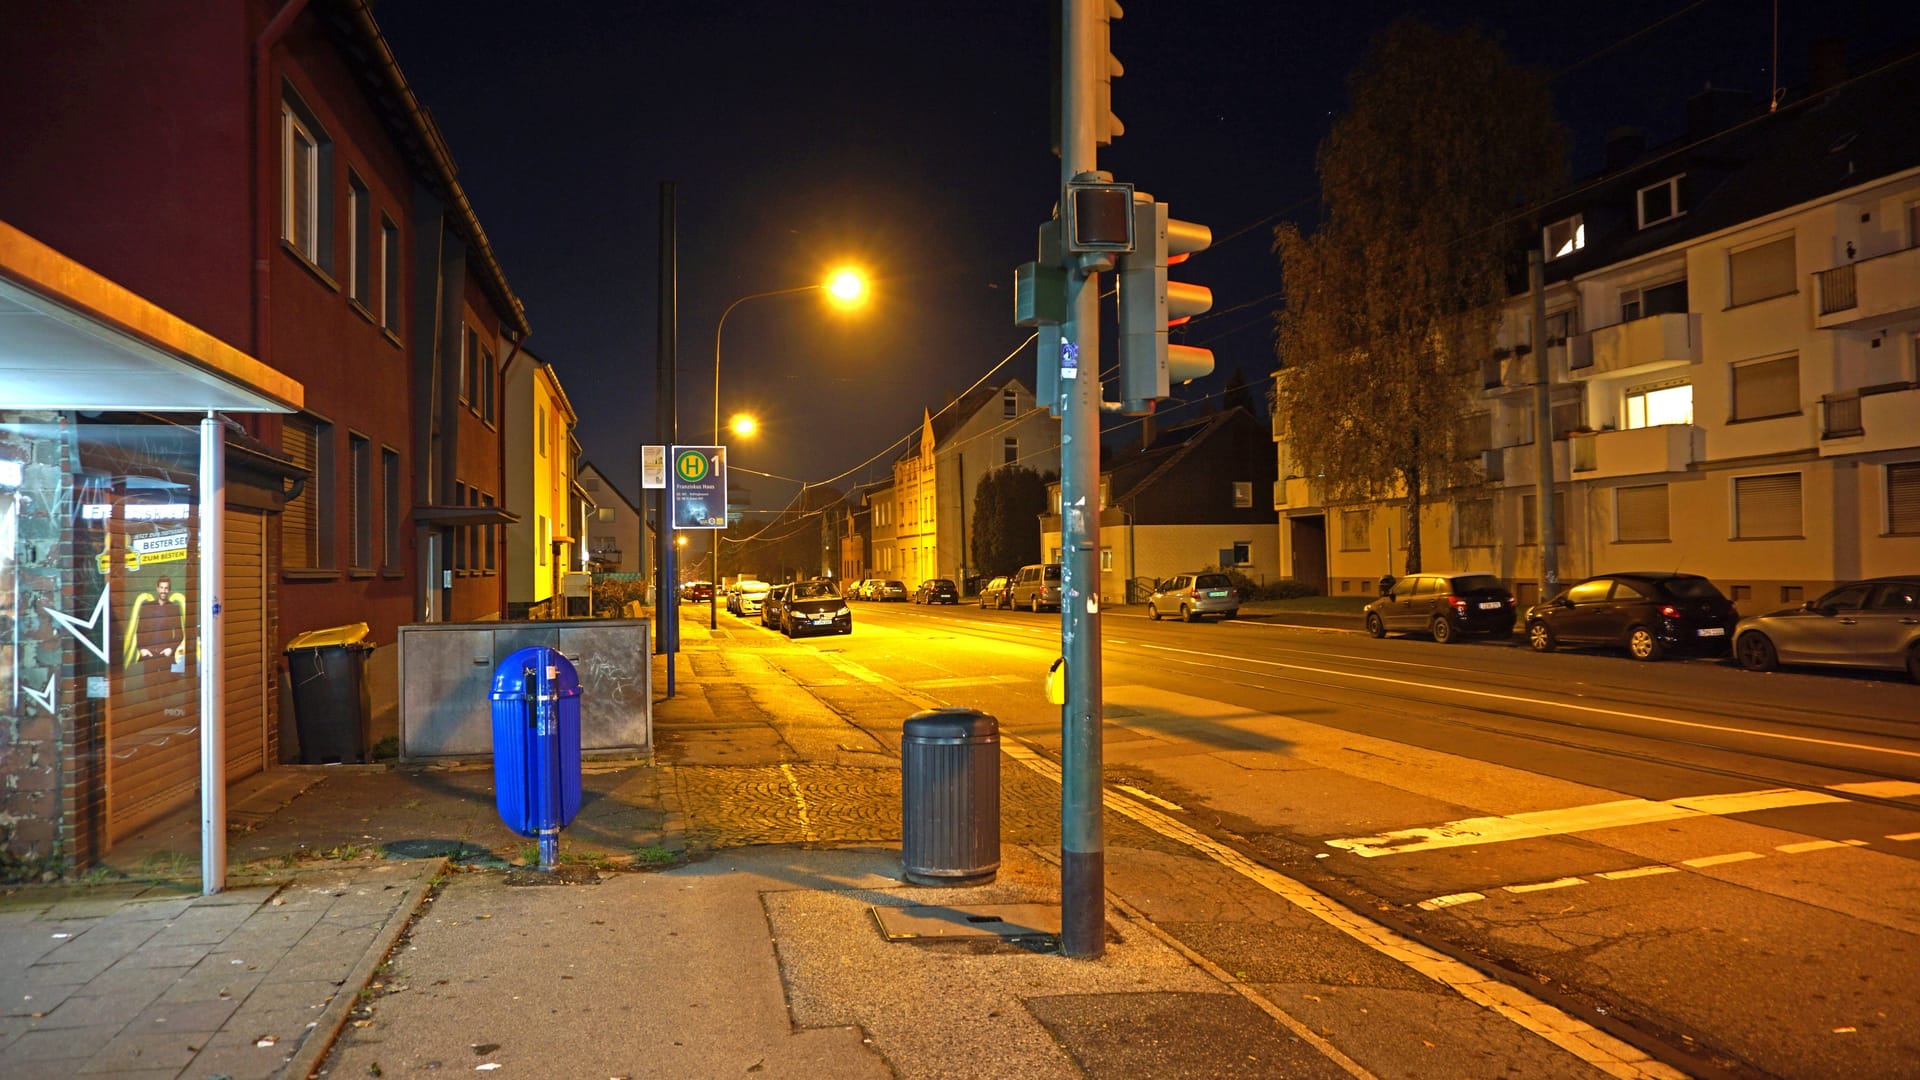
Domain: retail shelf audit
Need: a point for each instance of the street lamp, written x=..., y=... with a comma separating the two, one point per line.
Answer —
x=846, y=287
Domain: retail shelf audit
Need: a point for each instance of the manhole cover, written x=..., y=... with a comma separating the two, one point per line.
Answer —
x=1003, y=921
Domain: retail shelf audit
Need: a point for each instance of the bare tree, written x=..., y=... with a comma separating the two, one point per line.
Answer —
x=1392, y=302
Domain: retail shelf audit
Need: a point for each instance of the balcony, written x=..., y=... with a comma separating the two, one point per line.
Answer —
x=1637, y=451
x=1869, y=420
x=1303, y=493
x=1870, y=294
x=1520, y=465
x=1644, y=345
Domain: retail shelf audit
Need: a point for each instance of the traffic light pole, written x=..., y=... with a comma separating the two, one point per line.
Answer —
x=1082, y=837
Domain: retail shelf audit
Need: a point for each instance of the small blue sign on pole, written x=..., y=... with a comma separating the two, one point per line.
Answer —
x=699, y=487
x=536, y=745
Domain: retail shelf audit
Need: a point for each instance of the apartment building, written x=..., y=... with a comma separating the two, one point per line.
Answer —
x=1733, y=337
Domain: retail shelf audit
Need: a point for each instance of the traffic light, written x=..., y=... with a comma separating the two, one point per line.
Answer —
x=1106, y=126
x=1149, y=303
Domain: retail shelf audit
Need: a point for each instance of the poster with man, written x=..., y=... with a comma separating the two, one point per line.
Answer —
x=157, y=630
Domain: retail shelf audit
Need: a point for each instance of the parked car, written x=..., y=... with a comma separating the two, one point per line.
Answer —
x=1650, y=614
x=890, y=590
x=745, y=597
x=1869, y=624
x=696, y=592
x=1036, y=586
x=814, y=605
x=857, y=590
x=1193, y=595
x=1444, y=605
x=937, y=590
x=772, y=606
x=997, y=593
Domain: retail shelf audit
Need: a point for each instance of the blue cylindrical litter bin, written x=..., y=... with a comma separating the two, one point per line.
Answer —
x=950, y=797
x=536, y=745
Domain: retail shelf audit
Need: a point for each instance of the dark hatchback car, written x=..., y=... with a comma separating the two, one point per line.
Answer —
x=936, y=591
x=814, y=605
x=1446, y=606
x=1649, y=614
x=997, y=593
x=772, y=606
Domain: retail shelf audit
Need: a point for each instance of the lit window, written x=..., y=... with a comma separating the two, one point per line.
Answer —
x=1564, y=237
x=1653, y=406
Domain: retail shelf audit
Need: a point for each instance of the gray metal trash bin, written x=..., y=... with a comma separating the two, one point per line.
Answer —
x=950, y=797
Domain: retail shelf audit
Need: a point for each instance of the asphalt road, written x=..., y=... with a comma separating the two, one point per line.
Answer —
x=1728, y=861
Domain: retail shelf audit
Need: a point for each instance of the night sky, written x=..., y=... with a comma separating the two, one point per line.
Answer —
x=913, y=138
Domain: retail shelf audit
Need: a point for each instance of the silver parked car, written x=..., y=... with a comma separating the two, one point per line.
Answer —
x=1869, y=624
x=1193, y=595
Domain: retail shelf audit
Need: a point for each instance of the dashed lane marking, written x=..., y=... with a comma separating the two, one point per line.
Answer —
x=1721, y=860
x=1904, y=836
x=1543, y=886
x=1452, y=900
x=1638, y=871
x=1817, y=845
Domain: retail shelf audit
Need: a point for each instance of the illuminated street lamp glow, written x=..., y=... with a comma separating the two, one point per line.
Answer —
x=743, y=425
x=847, y=286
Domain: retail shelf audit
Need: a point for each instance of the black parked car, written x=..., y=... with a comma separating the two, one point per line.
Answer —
x=773, y=605
x=997, y=593
x=1444, y=605
x=937, y=590
x=1650, y=614
x=814, y=605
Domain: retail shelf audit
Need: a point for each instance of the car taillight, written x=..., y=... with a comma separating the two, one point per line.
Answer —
x=1459, y=605
x=1669, y=611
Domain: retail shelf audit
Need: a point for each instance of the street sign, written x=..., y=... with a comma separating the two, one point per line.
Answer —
x=699, y=487
x=653, y=467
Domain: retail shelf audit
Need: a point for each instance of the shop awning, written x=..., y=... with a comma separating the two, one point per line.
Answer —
x=71, y=339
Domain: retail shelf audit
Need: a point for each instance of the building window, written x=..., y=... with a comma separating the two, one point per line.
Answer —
x=1903, y=498
x=1242, y=494
x=1640, y=513
x=459, y=532
x=1766, y=507
x=1760, y=272
x=390, y=508
x=359, y=242
x=1010, y=451
x=389, y=274
x=476, y=534
x=1668, y=298
x=1654, y=406
x=493, y=538
x=546, y=539
x=306, y=527
x=1242, y=553
x=360, y=507
x=1106, y=559
x=1473, y=523
x=1561, y=325
x=1564, y=237
x=1660, y=202
x=540, y=430
x=1569, y=416
x=306, y=195
x=1530, y=518
x=1766, y=388
x=488, y=376
x=1356, y=530
x=1009, y=403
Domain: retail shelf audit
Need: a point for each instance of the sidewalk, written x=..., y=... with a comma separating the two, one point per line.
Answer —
x=377, y=927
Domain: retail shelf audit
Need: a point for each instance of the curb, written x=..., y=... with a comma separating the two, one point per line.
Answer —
x=318, y=1043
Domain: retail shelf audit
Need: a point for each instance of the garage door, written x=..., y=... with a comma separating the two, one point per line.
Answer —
x=244, y=611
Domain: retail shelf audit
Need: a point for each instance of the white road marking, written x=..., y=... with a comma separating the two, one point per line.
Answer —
x=1557, y=883
x=1904, y=836
x=1150, y=797
x=1818, y=845
x=1881, y=789
x=1574, y=819
x=1570, y=1033
x=1637, y=872
x=1241, y=661
x=1451, y=900
x=1717, y=860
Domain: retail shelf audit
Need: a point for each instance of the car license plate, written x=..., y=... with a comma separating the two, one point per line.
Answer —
x=1490, y=605
x=1218, y=592
x=1713, y=631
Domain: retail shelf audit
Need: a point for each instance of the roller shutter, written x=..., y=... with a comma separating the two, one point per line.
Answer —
x=244, y=613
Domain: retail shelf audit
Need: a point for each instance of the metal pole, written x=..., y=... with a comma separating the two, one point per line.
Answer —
x=1082, y=841
x=1543, y=428
x=666, y=598
x=208, y=658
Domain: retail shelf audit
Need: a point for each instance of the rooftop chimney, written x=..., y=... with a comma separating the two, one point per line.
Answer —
x=1826, y=64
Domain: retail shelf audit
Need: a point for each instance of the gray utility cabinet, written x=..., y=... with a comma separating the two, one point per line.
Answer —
x=446, y=683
